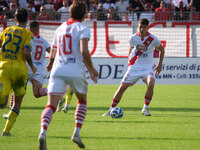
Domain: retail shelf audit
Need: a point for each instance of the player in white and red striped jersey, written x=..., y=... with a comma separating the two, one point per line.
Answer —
x=140, y=65
x=69, y=48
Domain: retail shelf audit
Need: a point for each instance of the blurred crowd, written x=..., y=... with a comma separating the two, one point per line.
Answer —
x=111, y=10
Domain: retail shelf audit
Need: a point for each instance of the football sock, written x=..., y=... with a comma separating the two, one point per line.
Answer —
x=11, y=100
x=69, y=94
x=114, y=103
x=147, y=101
x=43, y=92
x=46, y=118
x=80, y=113
x=12, y=115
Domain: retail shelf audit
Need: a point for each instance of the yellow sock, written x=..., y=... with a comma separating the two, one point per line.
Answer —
x=69, y=94
x=69, y=97
x=13, y=113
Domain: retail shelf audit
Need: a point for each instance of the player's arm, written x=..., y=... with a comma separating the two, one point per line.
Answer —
x=158, y=68
x=27, y=55
x=87, y=59
x=51, y=59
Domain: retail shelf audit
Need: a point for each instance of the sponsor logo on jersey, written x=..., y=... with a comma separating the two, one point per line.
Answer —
x=141, y=48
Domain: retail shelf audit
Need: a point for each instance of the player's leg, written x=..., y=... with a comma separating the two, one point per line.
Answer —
x=5, y=86
x=117, y=97
x=56, y=88
x=79, y=86
x=69, y=95
x=38, y=91
x=46, y=118
x=12, y=97
x=150, y=82
x=12, y=115
x=18, y=82
x=80, y=113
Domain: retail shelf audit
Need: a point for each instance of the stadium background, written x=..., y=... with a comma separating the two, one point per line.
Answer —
x=109, y=48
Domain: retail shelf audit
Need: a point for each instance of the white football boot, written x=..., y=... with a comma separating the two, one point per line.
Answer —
x=77, y=140
x=5, y=116
x=107, y=113
x=42, y=142
x=145, y=112
x=60, y=105
x=65, y=109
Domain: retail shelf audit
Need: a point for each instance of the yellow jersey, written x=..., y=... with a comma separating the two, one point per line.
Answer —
x=13, y=40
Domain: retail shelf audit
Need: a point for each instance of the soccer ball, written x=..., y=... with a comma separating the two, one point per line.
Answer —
x=116, y=112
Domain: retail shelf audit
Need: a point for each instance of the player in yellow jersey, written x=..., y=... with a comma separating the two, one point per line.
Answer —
x=67, y=101
x=15, y=42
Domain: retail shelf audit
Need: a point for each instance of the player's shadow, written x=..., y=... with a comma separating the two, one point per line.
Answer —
x=179, y=109
x=129, y=138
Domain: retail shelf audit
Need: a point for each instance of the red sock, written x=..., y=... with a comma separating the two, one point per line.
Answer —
x=47, y=116
x=81, y=110
x=114, y=103
x=147, y=100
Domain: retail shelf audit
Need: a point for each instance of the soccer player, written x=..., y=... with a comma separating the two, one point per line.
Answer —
x=140, y=64
x=15, y=42
x=69, y=48
x=39, y=48
x=67, y=101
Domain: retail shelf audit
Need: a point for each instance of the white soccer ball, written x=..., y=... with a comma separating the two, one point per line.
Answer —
x=116, y=112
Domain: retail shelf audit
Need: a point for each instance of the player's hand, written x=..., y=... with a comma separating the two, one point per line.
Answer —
x=34, y=69
x=49, y=67
x=94, y=75
x=158, y=69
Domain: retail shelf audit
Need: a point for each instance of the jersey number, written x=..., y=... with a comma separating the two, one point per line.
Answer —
x=67, y=44
x=38, y=52
x=15, y=38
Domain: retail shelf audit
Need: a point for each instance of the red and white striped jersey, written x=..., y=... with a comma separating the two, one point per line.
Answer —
x=69, y=60
x=142, y=51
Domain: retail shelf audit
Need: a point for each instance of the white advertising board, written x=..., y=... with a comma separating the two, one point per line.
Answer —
x=174, y=71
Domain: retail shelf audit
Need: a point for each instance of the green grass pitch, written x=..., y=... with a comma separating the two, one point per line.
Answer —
x=174, y=124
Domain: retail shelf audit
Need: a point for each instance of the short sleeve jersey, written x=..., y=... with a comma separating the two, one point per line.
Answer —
x=142, y=51
x=39, y=46
x=13, y=40
x=69, y=60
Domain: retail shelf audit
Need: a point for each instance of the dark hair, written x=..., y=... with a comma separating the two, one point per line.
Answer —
x=21, y=14
x=144, y=21
x=78, y=10
x=34, y=25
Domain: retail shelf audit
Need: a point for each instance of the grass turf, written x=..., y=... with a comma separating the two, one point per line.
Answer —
x=174, y=124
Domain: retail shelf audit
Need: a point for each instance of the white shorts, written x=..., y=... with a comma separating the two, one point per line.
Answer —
x=38, y=77
x=132, y=76
x=58, y=85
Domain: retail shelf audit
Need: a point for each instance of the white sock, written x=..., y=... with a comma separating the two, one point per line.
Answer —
x=145, y=106
x=44, y=132
x=77, y=131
